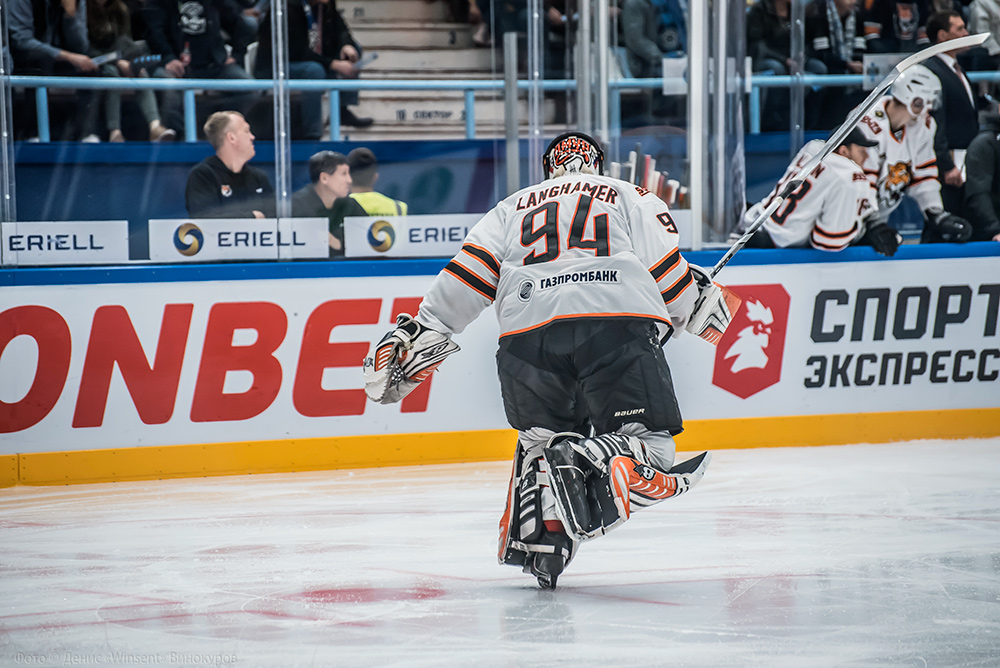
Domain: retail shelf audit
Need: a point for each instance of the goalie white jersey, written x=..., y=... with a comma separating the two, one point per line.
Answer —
x=827, y=211
x=576, y=246
x=902, y=163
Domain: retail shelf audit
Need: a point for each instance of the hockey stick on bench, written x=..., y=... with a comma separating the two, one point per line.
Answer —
x=842, y=132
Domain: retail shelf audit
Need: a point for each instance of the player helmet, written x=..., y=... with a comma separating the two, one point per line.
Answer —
x=917, y=83
x=572, y=153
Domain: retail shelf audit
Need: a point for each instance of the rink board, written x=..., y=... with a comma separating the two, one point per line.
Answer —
x=157, y=379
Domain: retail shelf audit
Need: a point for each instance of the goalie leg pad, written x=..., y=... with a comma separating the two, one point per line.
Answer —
x=568, y=481
x=522, y=526
x=641, y=486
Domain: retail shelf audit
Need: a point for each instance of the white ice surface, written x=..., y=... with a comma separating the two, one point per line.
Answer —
x=866, y=555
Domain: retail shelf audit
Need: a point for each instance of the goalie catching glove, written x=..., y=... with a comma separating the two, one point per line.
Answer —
x=404, y=358
x=714, y=309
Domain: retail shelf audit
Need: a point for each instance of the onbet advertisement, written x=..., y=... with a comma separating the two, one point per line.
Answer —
x=125, y=365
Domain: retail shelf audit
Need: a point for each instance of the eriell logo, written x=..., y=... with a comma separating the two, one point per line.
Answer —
x=748, y=358
x=188, y=239
x=381, y=236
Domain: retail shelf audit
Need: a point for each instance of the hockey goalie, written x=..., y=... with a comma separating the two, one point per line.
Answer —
x=586, y=277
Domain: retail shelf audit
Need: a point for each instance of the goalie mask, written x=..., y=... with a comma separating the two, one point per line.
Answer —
x=572, y=153
x=918, y=89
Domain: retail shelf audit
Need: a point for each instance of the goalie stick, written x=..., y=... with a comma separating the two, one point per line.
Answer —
x=842, y=132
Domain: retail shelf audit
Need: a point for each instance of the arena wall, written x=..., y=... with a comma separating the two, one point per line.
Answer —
x=133, y=373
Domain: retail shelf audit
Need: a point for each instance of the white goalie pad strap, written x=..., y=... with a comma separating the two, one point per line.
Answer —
x=404, y=358
x=533, y=547
x=599, y=450
x=714, y=309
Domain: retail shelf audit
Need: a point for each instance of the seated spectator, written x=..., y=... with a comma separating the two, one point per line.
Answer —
x=896, y=27
x=224, y=185
x=326, y=196
x=648, y=38
x=109, y=28
x=956, y=112
x=652, y=29
x=320, y=46
x=834, y=37
x=188, y=38
x=769, y=45
x=364, y=174
x=832, y=210
x=49, y=38
x=982, y=187
x=984, y=16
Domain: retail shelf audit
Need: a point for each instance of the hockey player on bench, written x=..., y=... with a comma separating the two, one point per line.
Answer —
x=586, y=277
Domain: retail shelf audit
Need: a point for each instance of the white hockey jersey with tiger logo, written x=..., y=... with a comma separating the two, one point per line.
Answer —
x=903, y=162
x=828, y=209
x=576, y=246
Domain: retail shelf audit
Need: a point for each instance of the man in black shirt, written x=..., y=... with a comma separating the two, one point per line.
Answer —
x=224, y=185
x=187, y=35
x=327, y=196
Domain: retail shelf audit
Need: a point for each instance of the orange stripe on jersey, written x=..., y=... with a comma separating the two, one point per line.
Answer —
x=581, y=316
x=830, y=247
x=666, y=263
x=931, y=177
x=678, y=288
x=486, y=258
x=471, y=280
x=835, y=235
x=929, y=163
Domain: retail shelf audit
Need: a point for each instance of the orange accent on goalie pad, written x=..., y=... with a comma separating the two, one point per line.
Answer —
x=733, y=301
x=421, y=376
x=382, y=356
x=629, y=475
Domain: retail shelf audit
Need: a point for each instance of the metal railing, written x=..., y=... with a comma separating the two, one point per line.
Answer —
x=190, y=87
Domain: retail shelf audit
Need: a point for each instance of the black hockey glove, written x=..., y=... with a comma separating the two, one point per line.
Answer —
x=883, y=239
x=948, y=226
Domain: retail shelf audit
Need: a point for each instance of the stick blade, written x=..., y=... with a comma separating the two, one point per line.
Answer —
x=957, y=43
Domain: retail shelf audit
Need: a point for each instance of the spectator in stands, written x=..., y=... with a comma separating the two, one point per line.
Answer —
x=109, y=28
x=837, y=209
x=320, y=46
x=652, y=29
x=834, y=36
x=188, y=36
x=364, y=174
x=896, y=27
x=49, y=38
x=326, y=196
x=224, y=185
x=956, y=113
x=769, y=44
x=642, y=22
x=982, y=187
x=984, y=16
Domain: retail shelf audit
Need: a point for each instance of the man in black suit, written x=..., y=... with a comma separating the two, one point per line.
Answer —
x=956, y=114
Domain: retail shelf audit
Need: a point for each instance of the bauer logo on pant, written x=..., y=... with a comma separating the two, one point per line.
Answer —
x=748, y=358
